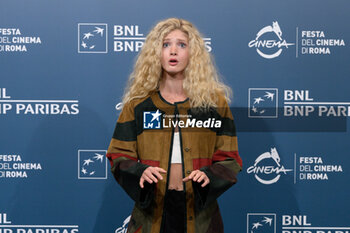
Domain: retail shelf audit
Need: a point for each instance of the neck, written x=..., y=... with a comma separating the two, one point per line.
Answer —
x=172, y=84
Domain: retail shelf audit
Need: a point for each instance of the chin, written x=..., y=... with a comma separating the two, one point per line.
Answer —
x=174, y=72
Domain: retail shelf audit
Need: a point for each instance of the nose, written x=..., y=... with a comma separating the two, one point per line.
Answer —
x=173, y=50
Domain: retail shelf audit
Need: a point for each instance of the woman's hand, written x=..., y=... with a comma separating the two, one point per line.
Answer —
x=197, y=176
x=151, y=174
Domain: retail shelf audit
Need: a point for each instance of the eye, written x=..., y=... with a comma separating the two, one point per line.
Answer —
x=183, y=45
x=165, y=44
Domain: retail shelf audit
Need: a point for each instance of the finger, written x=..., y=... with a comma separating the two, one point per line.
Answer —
x=158, y=174
x=141, y=182
x=160, y=170
x=192, y=175
x=195, y=178
x=149, y=173
x=185, y=179
x=148, y=179
x=201, y=178
x=205, y=183
x=153, y=178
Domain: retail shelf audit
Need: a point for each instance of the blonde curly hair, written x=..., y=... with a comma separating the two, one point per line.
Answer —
x=201, y=83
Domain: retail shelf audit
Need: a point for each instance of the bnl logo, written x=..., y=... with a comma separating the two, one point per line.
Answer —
x=92, y=164
x=92, y=38
x=261, y=223
x=151, y=120
x=263, y=103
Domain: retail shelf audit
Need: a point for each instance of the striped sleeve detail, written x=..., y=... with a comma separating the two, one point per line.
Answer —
x=227, y=127
x=123, y=144
x=125, y=131
x=152, y=163
x=123, y=147
x=226, y=162
x=113, y=157
x=201, y=162
x=123, y=156
x=226, y=148
x=227, y=122
x=223, y=155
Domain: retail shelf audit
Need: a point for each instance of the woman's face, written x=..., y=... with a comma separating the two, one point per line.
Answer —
x=175, y=52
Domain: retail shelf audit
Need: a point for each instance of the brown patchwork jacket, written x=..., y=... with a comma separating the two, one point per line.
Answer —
x=143, y=137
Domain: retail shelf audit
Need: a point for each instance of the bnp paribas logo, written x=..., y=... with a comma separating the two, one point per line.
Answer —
x=263, y=103
x=92, y=38
x=92, y=164
x=261, y=223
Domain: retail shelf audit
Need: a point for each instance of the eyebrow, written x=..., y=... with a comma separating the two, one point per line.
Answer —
x=181, y=40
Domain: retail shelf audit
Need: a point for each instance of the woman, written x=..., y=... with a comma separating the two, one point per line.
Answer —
x=174, y=148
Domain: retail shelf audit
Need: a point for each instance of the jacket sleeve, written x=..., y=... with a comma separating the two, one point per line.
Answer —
x=226, y=162
x=123, y=157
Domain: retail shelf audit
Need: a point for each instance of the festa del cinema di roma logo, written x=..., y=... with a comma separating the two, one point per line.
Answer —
x=271, y=47
x=267, y=168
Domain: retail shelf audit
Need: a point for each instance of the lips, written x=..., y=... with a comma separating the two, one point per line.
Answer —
x=173, y=62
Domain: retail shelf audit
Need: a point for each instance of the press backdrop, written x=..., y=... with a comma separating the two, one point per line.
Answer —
x=63, y=67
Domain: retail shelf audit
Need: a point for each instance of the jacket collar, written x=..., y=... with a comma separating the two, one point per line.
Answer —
x=176, y=103
x=159, y=100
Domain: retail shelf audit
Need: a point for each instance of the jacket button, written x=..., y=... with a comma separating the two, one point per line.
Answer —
x=190, y=218
x=188, y=172
x=187, y=149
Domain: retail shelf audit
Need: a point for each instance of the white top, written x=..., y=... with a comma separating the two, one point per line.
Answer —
x=176, y=154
